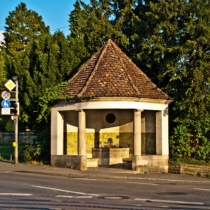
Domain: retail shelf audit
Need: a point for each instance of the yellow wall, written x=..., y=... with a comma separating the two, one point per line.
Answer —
x=98, y=130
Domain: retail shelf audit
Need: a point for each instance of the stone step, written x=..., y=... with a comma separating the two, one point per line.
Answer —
x=92, y=162
x=127, y=163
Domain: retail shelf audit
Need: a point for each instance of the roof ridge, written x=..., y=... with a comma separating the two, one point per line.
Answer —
x=125, y=69
x=95, y=68
x=143, y=74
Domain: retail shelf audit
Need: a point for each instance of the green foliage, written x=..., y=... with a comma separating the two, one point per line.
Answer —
x=6, y=149
x=9, y=125
x=31, y=153
x=90, y=28
x=39, y=151
x=49, y=98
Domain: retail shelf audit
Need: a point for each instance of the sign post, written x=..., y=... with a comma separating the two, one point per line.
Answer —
x=10, y=85
x=15, y=79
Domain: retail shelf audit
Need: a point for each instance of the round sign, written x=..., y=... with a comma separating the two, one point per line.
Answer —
x=5, y=95
x=5, y=104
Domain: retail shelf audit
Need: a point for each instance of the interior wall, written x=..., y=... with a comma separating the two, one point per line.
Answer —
x=99, y=131
x=148, y=129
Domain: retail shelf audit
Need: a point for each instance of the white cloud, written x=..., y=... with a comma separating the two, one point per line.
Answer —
x=1, y=36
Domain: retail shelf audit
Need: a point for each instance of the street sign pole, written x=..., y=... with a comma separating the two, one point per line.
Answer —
x=10, y=85
x=16, y=121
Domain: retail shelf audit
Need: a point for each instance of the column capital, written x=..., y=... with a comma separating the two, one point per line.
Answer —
x=138, y=110
x=79, y=110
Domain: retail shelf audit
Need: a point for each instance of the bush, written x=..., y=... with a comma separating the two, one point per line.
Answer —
x=31, y=153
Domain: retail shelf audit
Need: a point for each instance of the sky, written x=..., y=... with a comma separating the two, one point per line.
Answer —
x=55, y=13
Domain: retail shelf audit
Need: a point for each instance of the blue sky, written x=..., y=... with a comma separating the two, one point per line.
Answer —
x=54, y=12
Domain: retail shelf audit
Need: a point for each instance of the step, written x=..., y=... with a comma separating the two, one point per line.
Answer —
x=92, y=162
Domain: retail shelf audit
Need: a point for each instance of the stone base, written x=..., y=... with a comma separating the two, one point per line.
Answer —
x=69, y=161
x=92, y=162
x=150, y=164
x=110, y=156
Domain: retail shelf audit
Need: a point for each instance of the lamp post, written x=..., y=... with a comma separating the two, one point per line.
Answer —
x=15, y=79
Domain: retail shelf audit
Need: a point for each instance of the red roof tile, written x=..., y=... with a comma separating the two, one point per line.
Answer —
x=110, y=73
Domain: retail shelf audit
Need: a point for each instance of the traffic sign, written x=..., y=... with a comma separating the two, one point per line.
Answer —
x=10, y=85
x=5, y=111
x=5, y=95
x=5, y=104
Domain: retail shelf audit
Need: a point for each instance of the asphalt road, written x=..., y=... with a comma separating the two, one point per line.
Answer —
x=33, y=191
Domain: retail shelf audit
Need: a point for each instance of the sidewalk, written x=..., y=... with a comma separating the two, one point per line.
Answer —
x=97, y=173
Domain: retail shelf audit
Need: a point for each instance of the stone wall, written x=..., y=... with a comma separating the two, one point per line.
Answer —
x=190, y=169
x=23, y=137
x=66, y=161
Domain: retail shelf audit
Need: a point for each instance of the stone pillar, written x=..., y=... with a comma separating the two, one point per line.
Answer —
x=137, y=139
x=57, y=134
x=82, y=140
x=162, y=146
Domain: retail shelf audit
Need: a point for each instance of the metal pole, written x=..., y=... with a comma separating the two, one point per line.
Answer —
x=16, y=125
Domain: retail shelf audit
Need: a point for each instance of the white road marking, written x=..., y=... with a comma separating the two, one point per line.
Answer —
x=67, y=196
x=168, y=201
x=16, y=194
x=201, y=189
x=56, y=189
x=142, y=183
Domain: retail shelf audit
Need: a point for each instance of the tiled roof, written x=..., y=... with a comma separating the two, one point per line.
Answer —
x=110, y=73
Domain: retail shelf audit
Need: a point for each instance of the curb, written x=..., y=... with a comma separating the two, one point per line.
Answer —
x=105, y=176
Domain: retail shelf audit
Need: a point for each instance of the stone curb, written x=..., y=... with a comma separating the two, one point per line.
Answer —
x=105, y=176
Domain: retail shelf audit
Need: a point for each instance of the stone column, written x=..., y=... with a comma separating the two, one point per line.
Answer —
x=82, y=140
x=137, y=139
x=57, y=134
x=162, y=145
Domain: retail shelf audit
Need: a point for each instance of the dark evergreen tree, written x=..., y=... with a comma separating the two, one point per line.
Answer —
x=23, y=27
x=90, y=28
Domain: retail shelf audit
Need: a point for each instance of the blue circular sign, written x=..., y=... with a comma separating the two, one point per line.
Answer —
x=5, y=104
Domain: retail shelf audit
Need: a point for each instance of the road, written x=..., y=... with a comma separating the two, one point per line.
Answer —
x=32, y=191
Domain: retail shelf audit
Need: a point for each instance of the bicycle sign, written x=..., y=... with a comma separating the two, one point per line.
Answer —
x=5, y=104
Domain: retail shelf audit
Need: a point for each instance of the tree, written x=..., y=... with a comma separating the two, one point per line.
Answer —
x=181, y=41
x=23, y=27
x=90, y=28
x=3, y=79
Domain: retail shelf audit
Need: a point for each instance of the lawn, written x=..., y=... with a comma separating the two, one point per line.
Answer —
x=6, y=150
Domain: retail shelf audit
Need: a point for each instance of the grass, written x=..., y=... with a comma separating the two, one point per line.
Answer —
x=6, y=152
x=6, y=148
